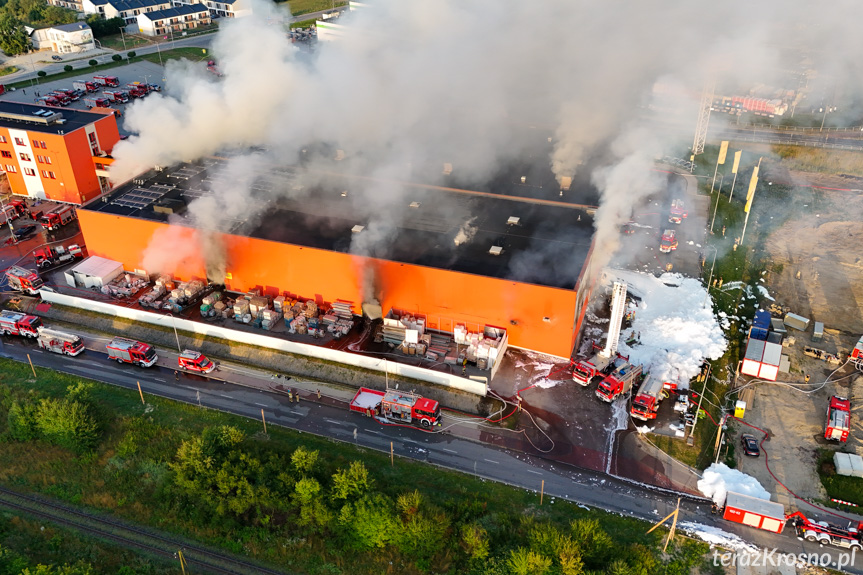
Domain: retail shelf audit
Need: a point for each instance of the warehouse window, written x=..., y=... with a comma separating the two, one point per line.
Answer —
x=44, y=147
x=11, y=169
x=3, y=139
x=6, y=153
x=29, y=172
x=51, y=175
x=35, y=143
x=47, y=159
x=25, y=157
x=44, y=173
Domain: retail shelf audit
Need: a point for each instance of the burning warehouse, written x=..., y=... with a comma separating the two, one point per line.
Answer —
x=448, y=256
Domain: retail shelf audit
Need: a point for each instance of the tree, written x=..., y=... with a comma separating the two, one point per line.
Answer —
x=595, y=544
x=93, y=62
x=13, y=37
x=41, y=73
x=352, y=482
x=369, y=523
x=132, y=55
x=474, y=540
x=307, y=497
x=68, y=68
x=21, y=420
x=116, y=57
x=303, y=460
x=525, y=562
x=102, y=27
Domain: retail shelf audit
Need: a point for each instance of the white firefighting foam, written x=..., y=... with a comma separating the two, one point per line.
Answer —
x=719, y=479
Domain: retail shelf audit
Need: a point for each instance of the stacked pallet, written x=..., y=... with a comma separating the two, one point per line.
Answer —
x=279, y=304
x=241, y=309
x=166, y=281
x=193, y=288
x=258, y=304
x=125, y=285
x=311, y=309
x=269, y=318
x=394, y=332
x=149, y=298
x=343, y=309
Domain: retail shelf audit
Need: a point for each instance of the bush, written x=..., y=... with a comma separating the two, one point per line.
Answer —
x=67, y=67
x=67, y=423
x=21, y=420
x=41, y=73
x=132, y=55
x=93, y=62
x=116, y=57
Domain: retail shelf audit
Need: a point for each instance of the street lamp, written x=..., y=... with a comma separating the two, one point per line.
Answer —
x=177, y=337
x=716, y=207
x=709, y=279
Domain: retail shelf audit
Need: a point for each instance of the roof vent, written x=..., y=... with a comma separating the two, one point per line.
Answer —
x=513, y=221
x=447, y=169
x=357, y=229
x=495, y=250
x=415, y=204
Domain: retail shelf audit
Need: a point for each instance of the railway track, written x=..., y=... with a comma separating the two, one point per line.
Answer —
x=197, y=556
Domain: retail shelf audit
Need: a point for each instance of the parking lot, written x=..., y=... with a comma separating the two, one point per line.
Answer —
x=145, y=72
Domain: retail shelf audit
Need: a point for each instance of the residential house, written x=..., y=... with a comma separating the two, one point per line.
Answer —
x=173, y=20
x=223, y=8
x=128, y=10
x=63, y=38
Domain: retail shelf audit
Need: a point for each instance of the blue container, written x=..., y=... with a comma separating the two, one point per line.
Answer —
x=762, y=319
x=758, y=333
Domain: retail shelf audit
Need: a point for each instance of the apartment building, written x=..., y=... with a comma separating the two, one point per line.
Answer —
x=173, y=20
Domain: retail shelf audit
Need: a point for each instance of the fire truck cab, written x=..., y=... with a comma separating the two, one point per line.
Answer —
x=618, y=382
x=195, y=361
x=838, y=419
x=585, y=370
x=56, y=217
x=107, y=80
x=23, y=280
x=827, y=534
x=678, y=212
x=668, y=243
x=646, y=401
x=401, y=406
x=857, y=355
x=14, y=323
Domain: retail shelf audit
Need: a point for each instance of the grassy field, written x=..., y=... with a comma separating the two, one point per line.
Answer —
x=838, y=486
x=193, y=54
x=132, y=473
x=26, y=542
x=821, y=160
x=115, y=42
x=8, y=70
x=299, y=7
x=303, y=23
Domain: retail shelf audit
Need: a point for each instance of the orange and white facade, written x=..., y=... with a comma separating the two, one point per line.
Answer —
x=53, y=154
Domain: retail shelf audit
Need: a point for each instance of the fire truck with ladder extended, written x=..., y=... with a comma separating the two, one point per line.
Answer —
x=57, y=216
x=14, y=323
x=24, y=280
x=131, y=351
x=678, y=212
x=645, y=404
x=619, y=381
x=401, y=406
x=60, y=342
x=585, y=370
x=827, y=534
x=668, y=243
x=838, y=419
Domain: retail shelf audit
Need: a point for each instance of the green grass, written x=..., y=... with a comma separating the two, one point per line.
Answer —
x=115, y=42
x=299, y=7
x=303, y=23
x=838, y=486
x=131, y=478
x=32, y=541
x=8, y=70
x=193, y=54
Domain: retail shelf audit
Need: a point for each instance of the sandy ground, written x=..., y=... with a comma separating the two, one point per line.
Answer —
x=818, y=273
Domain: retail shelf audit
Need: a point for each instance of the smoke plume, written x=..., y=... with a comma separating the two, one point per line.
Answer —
x=410, y=86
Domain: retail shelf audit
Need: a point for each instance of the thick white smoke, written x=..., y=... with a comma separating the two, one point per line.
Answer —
x=420, y=83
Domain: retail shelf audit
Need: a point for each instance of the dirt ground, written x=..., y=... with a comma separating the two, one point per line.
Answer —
x=817, y=272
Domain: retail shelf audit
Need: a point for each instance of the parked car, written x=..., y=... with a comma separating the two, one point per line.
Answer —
x=24, y=231
x=56, y=58
x=750, y=445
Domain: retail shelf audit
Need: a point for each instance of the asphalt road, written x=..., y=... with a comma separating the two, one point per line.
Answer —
x=450, y=449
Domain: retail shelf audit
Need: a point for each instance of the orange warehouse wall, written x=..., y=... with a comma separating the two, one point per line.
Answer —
x=444, y=297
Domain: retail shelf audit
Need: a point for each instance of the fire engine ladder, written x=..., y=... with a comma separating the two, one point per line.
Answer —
x=618, y=307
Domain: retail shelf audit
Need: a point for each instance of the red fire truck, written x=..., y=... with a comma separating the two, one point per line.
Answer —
x=402, y=406
x=857, y=355
x=755, y=512
x=668, y=243
x=646, y=401
x=14, y=323
x=827, y=534
x=24, y=280
x=195, y=361
x=585, y=370
x=57, y=216
x=111, y=81
x=131, y=351
x=838, y=419
x=138, y=90
x=678, y=212
x=13, y=210
x=60, y=342
x=47, y=257
x=618, y=382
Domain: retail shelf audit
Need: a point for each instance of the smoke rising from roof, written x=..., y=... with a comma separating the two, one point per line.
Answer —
x=416, y=84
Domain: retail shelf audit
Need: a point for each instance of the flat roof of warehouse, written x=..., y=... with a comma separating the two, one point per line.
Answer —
x=21, y=116
x=433, y=227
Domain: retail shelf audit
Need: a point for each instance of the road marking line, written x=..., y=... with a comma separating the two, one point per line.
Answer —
x=228, y=396
x=411, y=441
x=372, y=431
x=450, y=451
x=532, y=471
x=262, y=404
x=335, y=422
x=162, y=380
x=490, y=461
